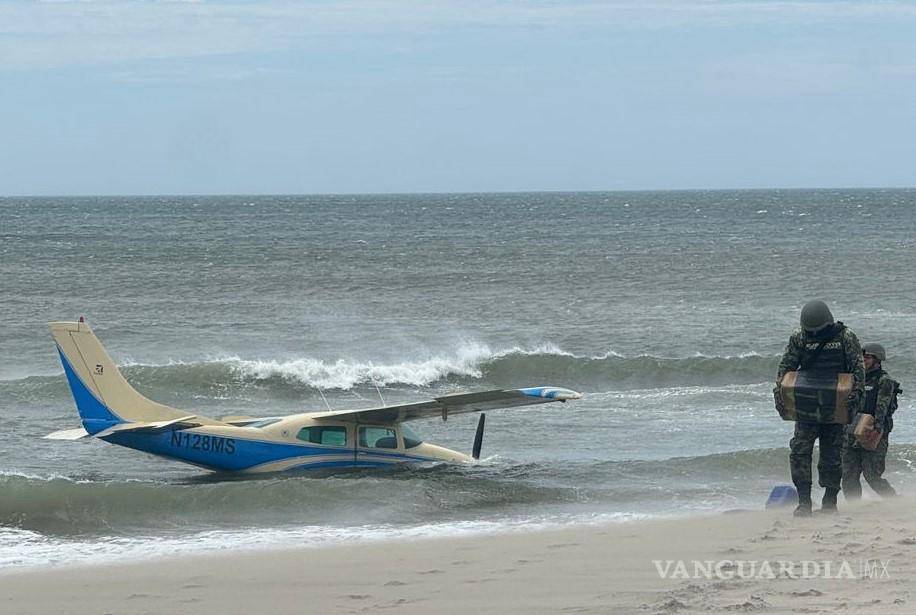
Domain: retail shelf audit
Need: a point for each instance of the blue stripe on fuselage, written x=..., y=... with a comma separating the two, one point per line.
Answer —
x=95, y=415
x=228, y=454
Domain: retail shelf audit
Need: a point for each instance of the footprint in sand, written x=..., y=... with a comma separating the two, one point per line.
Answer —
x=563, y=545
x=754, y=603
x=727, y=583
x=394, y=603
x=671, y=606
x=907, y=541
x=433, y=571
x=809, y=592
x=395, y=583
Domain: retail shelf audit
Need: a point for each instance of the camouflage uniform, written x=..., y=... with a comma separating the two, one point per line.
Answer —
x=857, y=460
x=829, y=466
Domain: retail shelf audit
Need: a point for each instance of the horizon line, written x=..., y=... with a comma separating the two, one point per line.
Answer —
x=436, y=192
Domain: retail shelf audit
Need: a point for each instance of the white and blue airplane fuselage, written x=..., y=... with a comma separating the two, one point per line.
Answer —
x=112, y=410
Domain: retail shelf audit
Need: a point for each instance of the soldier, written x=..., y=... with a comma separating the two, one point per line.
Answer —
x=880, y=401
x=829, y=348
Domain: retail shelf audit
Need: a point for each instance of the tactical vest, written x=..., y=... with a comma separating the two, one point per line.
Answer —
x=872, y=379
x=831, y=359
x=871, y=391
x=815, y=393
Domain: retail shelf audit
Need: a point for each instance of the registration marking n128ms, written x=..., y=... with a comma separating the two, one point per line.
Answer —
x=203, y=442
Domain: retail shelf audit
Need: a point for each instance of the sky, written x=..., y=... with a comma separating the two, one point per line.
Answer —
x=300, y=97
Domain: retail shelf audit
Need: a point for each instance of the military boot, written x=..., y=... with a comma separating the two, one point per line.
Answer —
x=828, y=504
x=804, y=500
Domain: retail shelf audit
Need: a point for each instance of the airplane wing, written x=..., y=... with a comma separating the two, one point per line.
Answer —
x=454, y=404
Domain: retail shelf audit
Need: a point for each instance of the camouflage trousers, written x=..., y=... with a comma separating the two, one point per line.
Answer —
x=829, y=463
x=858, y=461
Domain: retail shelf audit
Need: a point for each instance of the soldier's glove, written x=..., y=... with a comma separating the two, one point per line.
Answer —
x=852, y=403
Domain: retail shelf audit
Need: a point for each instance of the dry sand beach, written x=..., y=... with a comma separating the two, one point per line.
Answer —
x=859, y=561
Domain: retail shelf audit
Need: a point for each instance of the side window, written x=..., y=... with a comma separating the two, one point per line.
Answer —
x=377, y=437
x=322, y=434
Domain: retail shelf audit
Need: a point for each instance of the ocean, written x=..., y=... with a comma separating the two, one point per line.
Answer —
x=667, y=310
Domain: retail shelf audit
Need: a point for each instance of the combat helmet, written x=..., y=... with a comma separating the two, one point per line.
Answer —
x=876, y=350
x=815, y=316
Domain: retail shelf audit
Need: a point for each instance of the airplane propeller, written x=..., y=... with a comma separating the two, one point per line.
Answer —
x=478, y=437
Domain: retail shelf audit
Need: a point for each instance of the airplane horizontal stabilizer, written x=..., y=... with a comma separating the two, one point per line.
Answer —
x=68, y=434
x=184, y=422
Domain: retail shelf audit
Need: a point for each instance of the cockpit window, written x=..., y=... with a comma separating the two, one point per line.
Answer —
x=324, y=434
x=263, y=423
x=377, y=437
x=411, y=439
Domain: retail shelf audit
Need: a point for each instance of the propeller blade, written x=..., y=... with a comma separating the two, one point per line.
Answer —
x=478, y=437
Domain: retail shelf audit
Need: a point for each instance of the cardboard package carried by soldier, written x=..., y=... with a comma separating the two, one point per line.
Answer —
x=820, y=385
x=866, y=440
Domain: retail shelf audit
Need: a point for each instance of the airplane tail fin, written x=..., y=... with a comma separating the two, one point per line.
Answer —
x=103, y=397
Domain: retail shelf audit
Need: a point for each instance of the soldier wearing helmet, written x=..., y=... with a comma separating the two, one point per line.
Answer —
x=880, y=401
x=827, y=348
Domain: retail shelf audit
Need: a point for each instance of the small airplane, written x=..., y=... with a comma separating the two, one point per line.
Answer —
x=112, y=410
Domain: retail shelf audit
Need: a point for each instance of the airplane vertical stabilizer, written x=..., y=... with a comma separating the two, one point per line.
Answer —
x=103, y=397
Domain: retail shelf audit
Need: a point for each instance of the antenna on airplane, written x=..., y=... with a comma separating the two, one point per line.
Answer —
x=379, y=391
x=320, y=392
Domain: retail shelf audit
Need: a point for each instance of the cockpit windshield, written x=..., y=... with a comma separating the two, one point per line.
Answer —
x=263, y=423
x=411, y=439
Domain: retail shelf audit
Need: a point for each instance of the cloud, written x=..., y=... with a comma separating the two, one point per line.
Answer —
x=53, y=34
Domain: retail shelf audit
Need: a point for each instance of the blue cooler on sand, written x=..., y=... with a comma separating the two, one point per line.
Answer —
x=782, y=496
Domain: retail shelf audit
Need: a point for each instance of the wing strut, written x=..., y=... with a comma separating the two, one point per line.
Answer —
x=478, y=437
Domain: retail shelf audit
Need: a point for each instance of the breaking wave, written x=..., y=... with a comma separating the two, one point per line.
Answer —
x=473, y=365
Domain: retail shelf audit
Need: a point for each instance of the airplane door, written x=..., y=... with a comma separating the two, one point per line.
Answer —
x=377, y=445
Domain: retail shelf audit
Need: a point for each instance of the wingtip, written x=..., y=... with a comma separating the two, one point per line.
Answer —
x=554, y=393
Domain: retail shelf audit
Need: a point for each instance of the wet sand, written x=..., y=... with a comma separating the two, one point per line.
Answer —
x=748, y=562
